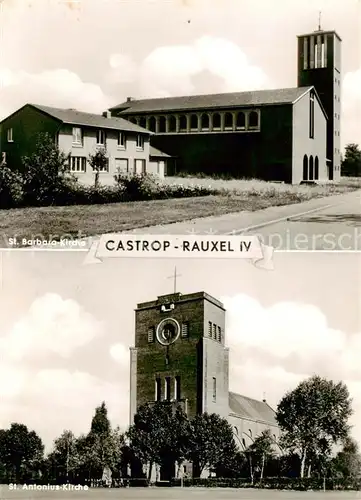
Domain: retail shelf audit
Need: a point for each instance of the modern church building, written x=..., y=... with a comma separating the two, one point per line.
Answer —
x=180, y=355
x=290, y=135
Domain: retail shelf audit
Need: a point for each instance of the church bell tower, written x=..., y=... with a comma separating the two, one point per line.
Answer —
x=319, y=64
x=179, y=354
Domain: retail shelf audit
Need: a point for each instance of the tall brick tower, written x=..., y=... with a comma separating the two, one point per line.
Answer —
x=180, y=354
x=319, y=64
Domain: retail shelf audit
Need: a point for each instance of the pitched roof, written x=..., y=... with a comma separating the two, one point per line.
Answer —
x=251, y=408
x=157, y=153
x=226, y=100
x=75, y=117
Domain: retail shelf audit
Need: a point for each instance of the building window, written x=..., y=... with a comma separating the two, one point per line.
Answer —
x=312, y=115
x=177, y=388
x=152, y=123
x=215, y=332
x=205, y=122
x=151, y=334
x=142, y=122
x=77, y=136
x=311, y=173
x=182, y=123
x=228, y=121
x=210, y=329
x=100, y=137
x=253, y=121
x=316, y=169
x=305, y=168
x=172, y=124
x=194, y=122
x=121, y=165
x=121, y=140
x=185, y=329
x=10, y=135
x=78, y=164
x=241, y=120
x=216, y=121
x=139, y=166
x=158, y=389
x=219, y=334
x=162, y=124
x=140, y=142
x=105, y=168
x=167, y=388
x=214, y=395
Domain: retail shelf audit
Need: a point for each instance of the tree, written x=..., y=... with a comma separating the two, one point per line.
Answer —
x=64, y=459
x=347, y=462
x=21, y=452
x=211, y=442
x=159, y=435
x=46, y=173
x=313, y=417
x=261, y=450
x=99, y=163
x=351, y=163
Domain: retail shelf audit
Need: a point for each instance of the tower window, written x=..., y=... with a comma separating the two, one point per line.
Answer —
x=214, y=395
x=177, y=388
x=210, y=329
x=151, y=334
x=185, y=329
x=219, y=334
x=312, y=115
x=167, y=388
x=158, y=389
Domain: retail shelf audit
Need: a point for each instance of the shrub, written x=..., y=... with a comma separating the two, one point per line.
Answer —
x=11, y=188
x=46, y=178
x=136, y=187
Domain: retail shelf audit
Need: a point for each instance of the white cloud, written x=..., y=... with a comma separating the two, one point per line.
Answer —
x=273, y=349
x=351, y=107
x=59, y=87
x=119, y=353
x=52, y=325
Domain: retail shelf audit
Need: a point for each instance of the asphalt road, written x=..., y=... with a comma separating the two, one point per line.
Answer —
x=332, y=223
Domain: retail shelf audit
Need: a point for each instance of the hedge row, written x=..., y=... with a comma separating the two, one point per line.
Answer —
x=67, y=191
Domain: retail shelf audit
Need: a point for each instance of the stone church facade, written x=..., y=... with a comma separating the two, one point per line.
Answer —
x=180, y=355
x=289, y=135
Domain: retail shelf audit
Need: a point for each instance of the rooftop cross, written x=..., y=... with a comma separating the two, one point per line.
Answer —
x=174, y=277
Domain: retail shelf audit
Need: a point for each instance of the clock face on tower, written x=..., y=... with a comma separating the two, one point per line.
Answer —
x=168, y=331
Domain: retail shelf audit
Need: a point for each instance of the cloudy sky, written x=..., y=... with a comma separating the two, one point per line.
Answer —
x=92, y=54
x=66, y=329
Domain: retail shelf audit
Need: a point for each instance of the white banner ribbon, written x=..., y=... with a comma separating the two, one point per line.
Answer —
x=177, y=247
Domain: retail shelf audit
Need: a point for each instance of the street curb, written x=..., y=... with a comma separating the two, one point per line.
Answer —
x=276, y=221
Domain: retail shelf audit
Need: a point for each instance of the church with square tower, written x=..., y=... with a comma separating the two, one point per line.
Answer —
x=289, y=135
x=180, y=355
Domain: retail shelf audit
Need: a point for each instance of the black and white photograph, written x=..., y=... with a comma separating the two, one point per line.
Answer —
x=173, y=116
x=191, y=374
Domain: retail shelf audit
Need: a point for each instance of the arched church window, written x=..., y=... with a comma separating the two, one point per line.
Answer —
x=172, y=123
x=183, y=123
x=205, y=121
x=228, y=121
x=253, y=119
x=142, y=122
x=151, y=123
x=236, y=430
x=162, y=124
x=305, y=168
x=310, y=169
x=216, y=121
x=241, y=120
x=194, y=122
x=316, y=169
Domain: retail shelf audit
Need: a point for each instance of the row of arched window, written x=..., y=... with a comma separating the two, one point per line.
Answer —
x=200, y=122
x=310, y=168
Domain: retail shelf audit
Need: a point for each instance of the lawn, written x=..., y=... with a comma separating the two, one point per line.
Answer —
x=88, y=220
x=176, y=494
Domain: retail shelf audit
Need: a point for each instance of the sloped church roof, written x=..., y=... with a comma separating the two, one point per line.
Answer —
x=251, y=409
